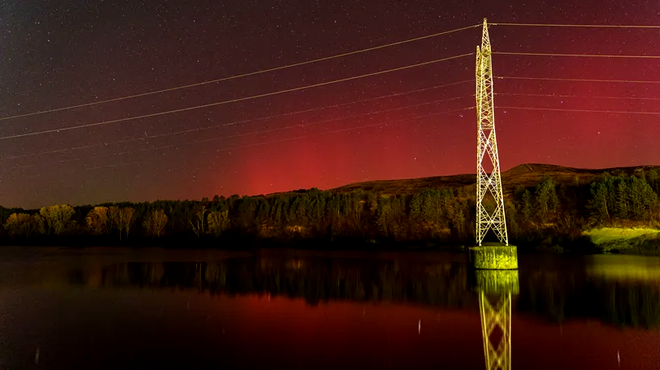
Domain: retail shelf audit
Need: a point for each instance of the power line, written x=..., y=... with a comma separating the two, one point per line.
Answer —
x=307, y=110
x=581, y=110
x=579, y=55
x=246, y=121
x=575, y=79
x=246, y=134
x=359, y=101
x=326, y=83
x=579, y=96
x=395, y=122
x=345, y=118
x=69, y=149
x=241, y=75
x=314, y=123
x=575, y=25
x=113, y=165
x=353, y=128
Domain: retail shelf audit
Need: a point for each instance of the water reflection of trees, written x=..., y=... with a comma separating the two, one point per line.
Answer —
x=314, y=279
x=557, y=296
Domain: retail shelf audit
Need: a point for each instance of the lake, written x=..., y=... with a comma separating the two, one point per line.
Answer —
x=105, y=308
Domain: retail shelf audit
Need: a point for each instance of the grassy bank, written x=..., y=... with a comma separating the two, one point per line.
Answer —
x=625, y=240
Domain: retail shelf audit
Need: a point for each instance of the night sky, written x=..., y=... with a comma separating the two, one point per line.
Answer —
x=416, y=122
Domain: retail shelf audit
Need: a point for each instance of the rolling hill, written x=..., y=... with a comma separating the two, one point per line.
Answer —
x=526, y=175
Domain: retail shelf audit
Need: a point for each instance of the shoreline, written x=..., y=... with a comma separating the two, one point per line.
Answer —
x=644, y=245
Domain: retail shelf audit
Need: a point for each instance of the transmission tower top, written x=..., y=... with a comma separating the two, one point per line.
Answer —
x=485, y=39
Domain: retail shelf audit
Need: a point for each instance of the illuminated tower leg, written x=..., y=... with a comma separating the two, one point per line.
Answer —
x=487, y=149
x=498, y=353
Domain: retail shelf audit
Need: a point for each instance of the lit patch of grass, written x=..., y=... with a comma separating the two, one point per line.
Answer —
x=626, y=240
x=608, y=234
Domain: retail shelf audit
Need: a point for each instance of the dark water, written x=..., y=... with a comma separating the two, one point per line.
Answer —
x=117, y=308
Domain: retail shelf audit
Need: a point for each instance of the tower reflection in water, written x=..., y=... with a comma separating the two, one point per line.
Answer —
x=495, y=289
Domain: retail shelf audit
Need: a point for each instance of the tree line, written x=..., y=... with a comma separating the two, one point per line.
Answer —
x=431, y=215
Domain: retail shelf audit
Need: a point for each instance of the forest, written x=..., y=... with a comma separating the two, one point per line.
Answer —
x=548, y=213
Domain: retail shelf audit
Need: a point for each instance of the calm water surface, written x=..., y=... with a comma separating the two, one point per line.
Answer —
x=152, y=308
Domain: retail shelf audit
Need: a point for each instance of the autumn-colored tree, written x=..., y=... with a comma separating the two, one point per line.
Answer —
x=97, y=221
x=197, y=223
x=155, y=222
x=38, y=224
x=125, y=218
x=19, y=225
x=217, y=222
x=113, y=217
x=57, y=217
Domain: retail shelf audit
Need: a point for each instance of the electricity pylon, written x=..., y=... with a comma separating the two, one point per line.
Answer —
x=487, y=148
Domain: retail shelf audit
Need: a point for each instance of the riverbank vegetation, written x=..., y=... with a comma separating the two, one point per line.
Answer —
x=547, y=207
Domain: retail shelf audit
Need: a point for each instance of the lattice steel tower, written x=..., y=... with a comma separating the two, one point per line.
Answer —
x=487, y=149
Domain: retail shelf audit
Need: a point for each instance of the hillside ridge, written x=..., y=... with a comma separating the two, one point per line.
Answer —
x=526, y=175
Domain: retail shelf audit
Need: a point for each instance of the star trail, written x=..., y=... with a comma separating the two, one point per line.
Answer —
x=136, y=100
